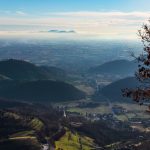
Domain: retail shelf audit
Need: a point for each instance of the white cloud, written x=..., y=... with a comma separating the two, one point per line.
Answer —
x=21, y=13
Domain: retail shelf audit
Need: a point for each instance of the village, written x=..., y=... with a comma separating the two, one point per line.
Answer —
x=133, y=124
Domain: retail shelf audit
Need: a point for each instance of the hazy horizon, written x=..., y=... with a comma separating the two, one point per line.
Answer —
x=96, y=19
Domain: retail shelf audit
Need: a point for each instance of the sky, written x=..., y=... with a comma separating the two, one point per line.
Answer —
x=101, y=18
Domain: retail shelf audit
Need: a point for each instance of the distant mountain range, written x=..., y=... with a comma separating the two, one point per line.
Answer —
x=113, y=90
x=59, y=31
x=116, y=67
x=23, y=70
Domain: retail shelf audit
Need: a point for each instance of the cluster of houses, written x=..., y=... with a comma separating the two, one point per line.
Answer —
x=110, y=117
x=118, y=110
x=94, y=116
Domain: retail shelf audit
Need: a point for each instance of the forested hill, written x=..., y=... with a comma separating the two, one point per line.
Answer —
x=23, y=70
x=40, y=90
x=113, y=90
x=116, y=67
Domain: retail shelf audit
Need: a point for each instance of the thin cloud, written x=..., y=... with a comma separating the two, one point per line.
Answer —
x=100, y=14
x=102, y=23
x=8, y=13
x=21, y=13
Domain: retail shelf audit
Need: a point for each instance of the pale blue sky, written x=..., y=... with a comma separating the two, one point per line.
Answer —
x=96, y=17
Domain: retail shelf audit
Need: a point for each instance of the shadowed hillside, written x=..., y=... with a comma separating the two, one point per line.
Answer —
x=116, y=67
x=113, y=90
x=23, y=70
x=41, y=90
